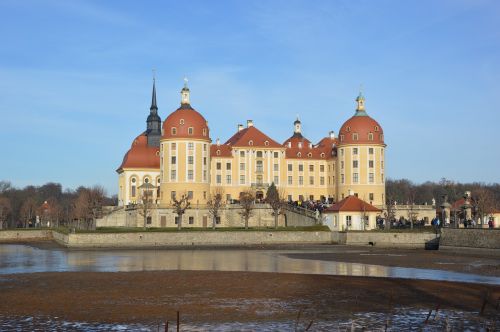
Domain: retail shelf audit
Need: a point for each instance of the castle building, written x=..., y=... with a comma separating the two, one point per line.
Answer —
x=180, y=158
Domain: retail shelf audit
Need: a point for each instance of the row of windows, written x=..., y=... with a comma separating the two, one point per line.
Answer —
x=355, y=137
x=173, y=146
x=173, y=131
x=356, y=150
x=355, y=178
x=311, y=168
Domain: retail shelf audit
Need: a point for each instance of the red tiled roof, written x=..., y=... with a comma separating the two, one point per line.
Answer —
x=253, y=135
x=323, y=150
x=363, y=126
x=141, y=155
x=223, y=151
x=182, y=119
x=352, y=203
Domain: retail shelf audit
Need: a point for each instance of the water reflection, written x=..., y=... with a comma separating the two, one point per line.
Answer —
x=25, y=259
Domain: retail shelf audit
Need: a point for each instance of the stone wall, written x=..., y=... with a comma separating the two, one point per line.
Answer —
x=470, y=238
x=191, y=238
x=25, y=235
x=383, y=239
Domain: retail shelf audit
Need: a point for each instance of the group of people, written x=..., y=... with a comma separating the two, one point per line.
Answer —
x=310, y=205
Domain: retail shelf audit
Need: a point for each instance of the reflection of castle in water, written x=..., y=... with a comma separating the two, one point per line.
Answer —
x=219, y=260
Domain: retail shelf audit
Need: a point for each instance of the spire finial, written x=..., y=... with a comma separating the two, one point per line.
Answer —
x=360, y=100
x=297, y=126
x=153, y=97
x=185, y=82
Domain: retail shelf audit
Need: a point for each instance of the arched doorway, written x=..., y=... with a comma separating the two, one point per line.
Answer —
x=259, y=195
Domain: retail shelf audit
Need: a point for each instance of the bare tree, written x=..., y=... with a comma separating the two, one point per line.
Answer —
x=146, y=206
x=390, y=211
x=215, y=203
x=275, y=198
x=5, y=210
x=55, y=212
x=247, y=201
x=411, y=211
x=484, y=202
x=180, y=207
x=88, y=205
x=28, y=211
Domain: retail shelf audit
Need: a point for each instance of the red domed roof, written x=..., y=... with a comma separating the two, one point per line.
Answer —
x=361, y=129
x=178, y=124
x=141, y=155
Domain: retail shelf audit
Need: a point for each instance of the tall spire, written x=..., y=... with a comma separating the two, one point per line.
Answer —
x=185, y=93
x=153, y=97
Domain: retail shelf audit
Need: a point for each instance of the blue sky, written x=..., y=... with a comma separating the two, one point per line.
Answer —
x=75, y=79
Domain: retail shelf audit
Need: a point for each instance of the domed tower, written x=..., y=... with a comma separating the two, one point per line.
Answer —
x=185, y=154
x=361, y=157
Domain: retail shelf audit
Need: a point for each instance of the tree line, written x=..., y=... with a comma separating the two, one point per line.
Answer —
x=50, y=205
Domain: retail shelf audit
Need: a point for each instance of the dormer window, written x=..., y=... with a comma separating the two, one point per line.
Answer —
x=341, y=138
x=266, y=143
x=181, y=122
x=217, y=152
x=376, y=128
x=299, y=154
x=355, y=136
x=381, y=137
x=250, y=142
x=322, y=155
x=348, y=129
x=309, y=154
x=370, y=136
x=190, y=131
x=157, y=153
x=300, y=145
x=204, y=131
x=174, y=131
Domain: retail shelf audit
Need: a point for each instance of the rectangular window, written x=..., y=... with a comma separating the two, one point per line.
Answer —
x=355, y=177
x=382, y=177
x=370, y=151
x=289, y=198
x=342, y=178
x=341, y=165
x=173, y=160
x=341, y=152
x=290, y=181
x=242, y=179
x=228, y=179
x=191, y=220
x=301, y=168
x=242, y=166
x=173, y=175
x=219, y=179
x=289, y=167
x=204, y=147
x=370, y=163
x=370, y=195
x=311, y=168
x=190, y=160
x=355, y=151
x=311, y=180
x=217, y=220
x=371, y=177
x=173, y=146
x=204, y=175
x=190, y=146
x=301, y=180
x=242, y=153
x=322, y=180
x=176, y=218
x=228, y=166
x=321, y=168
x=190, y=174
x=219, y=166
x=276, y=167
x=259, y=154
x=205, y=161
x=355, y=163
x=348, y=220
x=258, y=166
x=190, y=194
x=276, y=180
x=382, y=164
x=276, y=155
x=133, y=191
x=172, y=195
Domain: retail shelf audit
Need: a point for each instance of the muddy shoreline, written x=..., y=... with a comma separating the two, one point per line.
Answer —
x=226, y=296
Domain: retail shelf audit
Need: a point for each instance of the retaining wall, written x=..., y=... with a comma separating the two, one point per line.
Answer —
x=382, y=239
x=191, y=238
x=470, y=238
x=25, y=235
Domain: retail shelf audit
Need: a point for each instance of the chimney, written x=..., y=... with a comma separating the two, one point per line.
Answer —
x=331, y=134
x=249, y=123
x=240, y=127
x=217, y=141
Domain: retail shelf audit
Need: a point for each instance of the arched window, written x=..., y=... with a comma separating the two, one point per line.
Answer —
x=266, y=143
x=190, y=131
x=355, y=136
x=370, y=136
x=376, y=128
x=322, y=155
x=348, y=129
x=217, y=152
x=174, y=131
x=181, y=121
x=309, y=154
x=250, y=142
x=299, y=154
